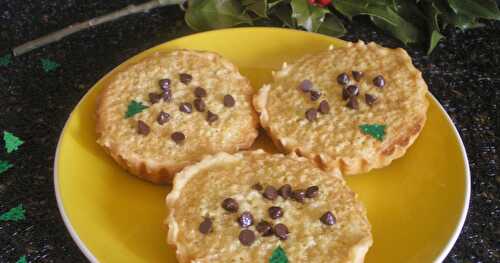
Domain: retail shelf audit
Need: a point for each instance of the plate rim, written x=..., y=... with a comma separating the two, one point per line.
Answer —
x=92, y=258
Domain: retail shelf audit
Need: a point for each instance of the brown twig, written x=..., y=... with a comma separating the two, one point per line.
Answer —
x=58, y=35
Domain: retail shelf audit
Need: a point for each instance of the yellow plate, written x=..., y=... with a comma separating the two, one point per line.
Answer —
x=416, y=206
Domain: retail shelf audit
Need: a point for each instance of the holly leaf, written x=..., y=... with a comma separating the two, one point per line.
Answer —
x=377, y=131
x=476, y=8
x=272, y=3
x=133, y=108
x=4, y=166
x=5, y=60
x=14, y=214
x=12, y=142
x=433, y=24
x=284, y=14
x=332, y=26
x=258, y=7
x=210, y=14
x=49, y=65
x=22, y=260
x=278, y=256
x=308, y=16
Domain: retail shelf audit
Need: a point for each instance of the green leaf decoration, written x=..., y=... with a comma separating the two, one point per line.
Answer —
x=14, y=214
x=258, y=7
x=433, y=25
x=5, y=60
x=278, y=256
x=272, y=3
x=480, y=8
x=377, y=131
x=49, y=65
x=4, y=166
x=210, y=14
x=22, y=260
x=133, y=108
x=284, y=14
x=308, y=16
x=12, y=142
x=332, y=26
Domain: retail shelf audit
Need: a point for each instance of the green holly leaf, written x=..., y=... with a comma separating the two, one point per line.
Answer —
x=258, y=7
x=433, y=24
x=4, y=166
x=332, y=26
x=14, y=214
x=5, y=60
x=476, y=8
x=22, y=260
x=278, y=256
x=49, y=65
x=210, y=14
x=377, y=131
x=12, y=142
x=133, y=108
x=308, y=16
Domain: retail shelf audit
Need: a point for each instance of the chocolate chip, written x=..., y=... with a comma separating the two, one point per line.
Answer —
x=142, y=128
x=178, y=137
x=353, y=103
x=306, y=85
x=164, y=84
x=199, y=105
x=281, y=231
x=370, y=99
x=230, y=205
x=257, y=187
x=311, y=114
x=247, y=237
x=185, y=78
x=270, y=193
x=205, y=226
x=228, y=101
x=246, y=219
x=154, y=97
x=186, y=107
x=315, y=95
x=167, y=95
x=299, y=195
x=312, y=191
x=379, y=81
x=357, y=75
x=264, y=228
x=324, y=107
x=200, y=92
x=350, y=91
x=285, y=191
x=343, y=79
x=328, y=219
x=211, y=117
x=275, y=212
x=162, y=118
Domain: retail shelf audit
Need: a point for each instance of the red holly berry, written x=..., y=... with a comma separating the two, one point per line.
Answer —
x=324, y=3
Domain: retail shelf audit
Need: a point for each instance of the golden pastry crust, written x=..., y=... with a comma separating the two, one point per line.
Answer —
x=335, y=139
x=155, y=156
x=199, y=190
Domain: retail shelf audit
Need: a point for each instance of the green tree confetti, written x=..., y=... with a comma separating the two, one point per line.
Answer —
x=22, y=260
x=5, y=60
x=377, y=131
x=133, y=108
x=14, y=214
x=278, y=256
x=49, y=65
x=4, y=166
x=11, y=142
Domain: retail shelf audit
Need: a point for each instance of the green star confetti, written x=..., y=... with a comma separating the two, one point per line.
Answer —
x=4, y=166
x=14, y=214
x=133, y=108
x=11, y=142
x=278, y=256
x=49, y=65
x=377, y=131
x=5, y=60
x=22, y=260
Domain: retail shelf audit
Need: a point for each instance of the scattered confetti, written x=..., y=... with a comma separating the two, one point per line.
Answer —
x=22, y=260
x=5, y=60
x=14, y=214
x=11, y=142
x=377, y=131
x=278, y=256
x=4, y=166
x=134, y=107
x=49, y=65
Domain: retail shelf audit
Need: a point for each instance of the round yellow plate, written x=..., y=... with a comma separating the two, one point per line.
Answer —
x=416, y=206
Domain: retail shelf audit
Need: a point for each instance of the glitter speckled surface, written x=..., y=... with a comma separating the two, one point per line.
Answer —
x=462, y=73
